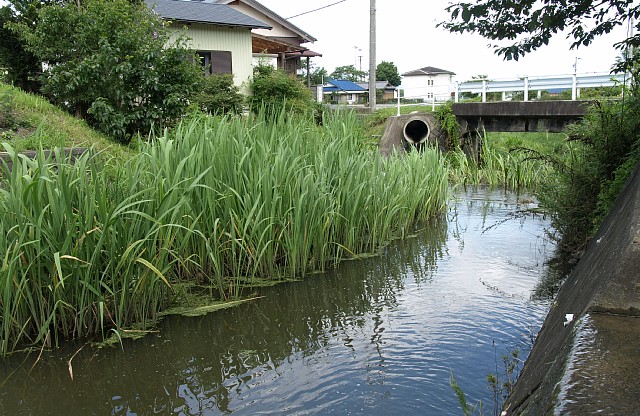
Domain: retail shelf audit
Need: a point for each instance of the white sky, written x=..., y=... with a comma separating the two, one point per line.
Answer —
x=407, y=36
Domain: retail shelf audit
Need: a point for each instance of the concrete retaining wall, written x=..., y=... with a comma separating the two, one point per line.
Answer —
x=605, y=281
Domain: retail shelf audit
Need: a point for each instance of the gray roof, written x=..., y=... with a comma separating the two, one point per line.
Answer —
x=270, y=13
x=427, y=70
x=380, y=85
x=201, y=12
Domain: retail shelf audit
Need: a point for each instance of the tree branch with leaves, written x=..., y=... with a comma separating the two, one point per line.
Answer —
x=530, y=24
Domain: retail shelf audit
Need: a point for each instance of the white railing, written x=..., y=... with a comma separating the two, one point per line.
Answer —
x=423, y=96
x=526, y=84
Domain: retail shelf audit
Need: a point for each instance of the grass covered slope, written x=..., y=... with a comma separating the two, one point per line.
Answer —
x=28, y=121
x=216, y=202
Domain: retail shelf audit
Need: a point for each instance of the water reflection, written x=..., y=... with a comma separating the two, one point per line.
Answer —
x=375, y=336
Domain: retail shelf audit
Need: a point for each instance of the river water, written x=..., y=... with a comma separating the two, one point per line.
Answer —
x=376, y=336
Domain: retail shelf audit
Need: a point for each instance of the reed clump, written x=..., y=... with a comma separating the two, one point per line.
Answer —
x=515, y=170
x=98, y=244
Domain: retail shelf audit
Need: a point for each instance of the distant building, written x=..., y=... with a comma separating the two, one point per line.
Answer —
x=428, y=83
x=343, y=91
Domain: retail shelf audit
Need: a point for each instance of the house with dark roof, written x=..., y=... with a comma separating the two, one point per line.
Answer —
x=386, y=91
x=282, y=44
x=342, y=91
x=220, y=34
x=428, y=84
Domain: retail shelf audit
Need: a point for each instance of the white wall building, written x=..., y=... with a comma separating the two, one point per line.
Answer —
x=428, y=84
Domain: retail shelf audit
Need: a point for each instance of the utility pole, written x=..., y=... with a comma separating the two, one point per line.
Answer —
x=372, y=57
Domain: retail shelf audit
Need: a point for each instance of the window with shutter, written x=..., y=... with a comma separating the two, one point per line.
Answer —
x=221, y=62
x=216, y=62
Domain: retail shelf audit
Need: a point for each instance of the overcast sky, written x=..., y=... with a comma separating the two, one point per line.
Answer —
x=407, y=36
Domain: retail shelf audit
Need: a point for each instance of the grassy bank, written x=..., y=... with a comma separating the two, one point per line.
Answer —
x=216, y=202
x=29, y=121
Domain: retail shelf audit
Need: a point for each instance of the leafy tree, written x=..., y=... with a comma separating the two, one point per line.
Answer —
x=348, y=72
x=387, y=71
x=529, y=24
x=22, y=66
x=112, y=62
x=318, y=76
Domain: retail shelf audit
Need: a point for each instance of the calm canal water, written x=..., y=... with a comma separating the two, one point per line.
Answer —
x=377, y=336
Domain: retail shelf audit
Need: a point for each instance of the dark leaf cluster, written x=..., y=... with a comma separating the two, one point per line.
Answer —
x=530, y=24
x=276, y=92
x=388, y=71
x=349, y=73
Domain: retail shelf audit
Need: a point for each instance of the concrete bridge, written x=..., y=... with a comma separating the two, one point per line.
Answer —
x=519, y=116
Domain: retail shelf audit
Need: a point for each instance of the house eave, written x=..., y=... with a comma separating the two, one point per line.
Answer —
x=270, y=13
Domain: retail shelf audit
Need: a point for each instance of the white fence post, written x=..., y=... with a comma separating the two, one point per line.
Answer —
x=539, y=83
x=484, y=90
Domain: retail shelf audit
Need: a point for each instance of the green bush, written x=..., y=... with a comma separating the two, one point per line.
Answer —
x=217, y=94
x=275, y=91
x=8, y=119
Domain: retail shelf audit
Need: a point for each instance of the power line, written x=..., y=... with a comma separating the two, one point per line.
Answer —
x=319, y=8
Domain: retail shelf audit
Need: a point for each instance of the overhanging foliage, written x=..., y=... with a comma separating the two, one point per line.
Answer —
x=530, y=24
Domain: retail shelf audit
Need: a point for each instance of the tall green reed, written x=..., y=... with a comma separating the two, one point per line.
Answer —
x=513, y=170
x=95, y=245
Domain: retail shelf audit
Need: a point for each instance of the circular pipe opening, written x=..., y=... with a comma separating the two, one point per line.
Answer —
x=416, y=132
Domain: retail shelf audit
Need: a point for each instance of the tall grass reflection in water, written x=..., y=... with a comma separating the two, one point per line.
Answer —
x=376, y=336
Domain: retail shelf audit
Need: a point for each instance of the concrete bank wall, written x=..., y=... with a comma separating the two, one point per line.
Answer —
x=606, y=280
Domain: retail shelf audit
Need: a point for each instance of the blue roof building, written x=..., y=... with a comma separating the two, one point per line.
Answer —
x=345, y=91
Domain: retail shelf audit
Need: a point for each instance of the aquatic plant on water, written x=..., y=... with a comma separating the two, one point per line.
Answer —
x=97, y=245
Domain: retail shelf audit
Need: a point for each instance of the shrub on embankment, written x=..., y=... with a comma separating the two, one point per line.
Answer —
x=216, y=202
x=584, y=187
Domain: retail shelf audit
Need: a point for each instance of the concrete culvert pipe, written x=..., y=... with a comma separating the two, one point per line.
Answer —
x=416, y=132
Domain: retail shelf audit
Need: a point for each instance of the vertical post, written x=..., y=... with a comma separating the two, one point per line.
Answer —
x=575, y=92
x=484, y=90
x=433, y=101
x=526, y=88
x=372, y=56
x=504, y=96
x=457, y=92
x=308, y=73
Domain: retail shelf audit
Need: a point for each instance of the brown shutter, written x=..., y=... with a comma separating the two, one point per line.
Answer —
x=221, y=62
